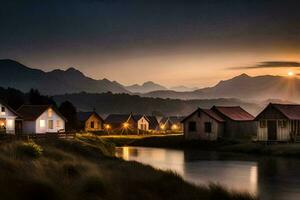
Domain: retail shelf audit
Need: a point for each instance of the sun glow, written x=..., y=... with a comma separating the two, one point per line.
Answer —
x=290, y=73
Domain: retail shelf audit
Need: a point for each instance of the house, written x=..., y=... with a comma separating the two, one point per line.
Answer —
x=153, y=123
x=90, y=121
x=172, y=123
x=41, y=119
x=142, y=122
x=120, y=122
x=239, y=124
x=219, y=121
x=279, y=122
x=9, y=119
x=203, y=124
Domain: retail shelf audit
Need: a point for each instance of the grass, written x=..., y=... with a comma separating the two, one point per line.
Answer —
x=84, y=168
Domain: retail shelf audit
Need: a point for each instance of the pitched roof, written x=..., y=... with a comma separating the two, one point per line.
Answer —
x=137, y=117
x=83, y=116
x=153, y=123
x=290, y=111
x=208, y=112
x=235, y=113
x=9, y=108
x=32, y=112
x=213, y=115
x=117, y=118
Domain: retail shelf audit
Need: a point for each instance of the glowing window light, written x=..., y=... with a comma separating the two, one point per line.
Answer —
x=162, y=127
x=107, y=126
x=174, y=127
x=42, y=123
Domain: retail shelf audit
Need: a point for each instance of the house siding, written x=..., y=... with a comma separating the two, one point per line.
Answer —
x=216, y=127
x=45, y=117
x=9, y=118
x=143, y=124
x=98, y=124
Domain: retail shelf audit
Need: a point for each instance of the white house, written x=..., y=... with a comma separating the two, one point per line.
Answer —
x=142, y=122
x=7, y=119
x=41, y=119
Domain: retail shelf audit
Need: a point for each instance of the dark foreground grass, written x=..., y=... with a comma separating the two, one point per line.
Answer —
x=84, y=168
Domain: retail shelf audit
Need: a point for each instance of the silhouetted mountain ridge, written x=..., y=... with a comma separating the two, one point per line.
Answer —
x=17, y=75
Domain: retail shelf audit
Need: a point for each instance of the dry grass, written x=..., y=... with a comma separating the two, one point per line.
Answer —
x=85, y=169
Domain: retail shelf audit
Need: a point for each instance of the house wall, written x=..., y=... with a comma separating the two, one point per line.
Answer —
x=271, y=114
x=55, y=117
x=217, y=128
x=29, y=127
x=143, y=124
x=98, y=125
x=283, y=133
x=240, y=129
x=10, y=118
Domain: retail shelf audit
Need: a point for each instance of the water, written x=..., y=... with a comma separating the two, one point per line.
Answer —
x=269, y=178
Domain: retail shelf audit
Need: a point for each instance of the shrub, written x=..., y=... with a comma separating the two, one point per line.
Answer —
x=28, y=149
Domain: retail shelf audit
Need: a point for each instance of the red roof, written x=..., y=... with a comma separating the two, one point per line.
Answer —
x=235, y=113
x=213, y=115
x=291, y=111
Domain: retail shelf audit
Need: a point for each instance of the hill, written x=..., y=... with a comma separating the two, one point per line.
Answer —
x=19, y=76
x=242, y=87
x=145, y=87
x=107, y=103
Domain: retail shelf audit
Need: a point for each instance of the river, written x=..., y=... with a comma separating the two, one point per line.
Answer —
x=268, y=177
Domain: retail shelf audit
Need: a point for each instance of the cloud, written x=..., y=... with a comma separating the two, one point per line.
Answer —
x=270, y=64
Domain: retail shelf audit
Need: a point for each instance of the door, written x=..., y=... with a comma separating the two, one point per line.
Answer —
x=272, y=130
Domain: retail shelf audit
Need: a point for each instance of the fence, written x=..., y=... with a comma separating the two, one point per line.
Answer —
x=69, y=135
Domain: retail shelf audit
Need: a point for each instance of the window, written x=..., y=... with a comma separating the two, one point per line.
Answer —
x=50, y=124
x=50, y=112
x=282, y=123
x=192, y=126
x=3, y=109
x=42, y=123
x=207, y=127
x=58, y=123
x=263, y=124
x=92, y=124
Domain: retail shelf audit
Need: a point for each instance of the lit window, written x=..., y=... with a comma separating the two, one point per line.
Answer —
x=42, y=123
x=9, y=123
x=50, y=124
x=49, y=112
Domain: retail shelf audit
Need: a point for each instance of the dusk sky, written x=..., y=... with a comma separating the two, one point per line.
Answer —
x=171, y=42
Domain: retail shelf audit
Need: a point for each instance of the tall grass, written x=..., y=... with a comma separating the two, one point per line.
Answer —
x=84, y=168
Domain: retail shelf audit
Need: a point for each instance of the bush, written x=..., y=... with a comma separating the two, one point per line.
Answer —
x=28, y=149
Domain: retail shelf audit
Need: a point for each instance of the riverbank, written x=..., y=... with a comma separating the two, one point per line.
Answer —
x=85, y=168
x=234, y=146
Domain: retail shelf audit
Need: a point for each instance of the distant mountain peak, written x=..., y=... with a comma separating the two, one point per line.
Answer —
x=243, y=75
x=147, y=86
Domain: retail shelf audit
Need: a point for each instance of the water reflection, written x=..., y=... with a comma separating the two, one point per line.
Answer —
x=270, y=178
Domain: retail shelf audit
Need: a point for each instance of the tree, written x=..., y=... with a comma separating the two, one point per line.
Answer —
x=68, y=110
x=35, y=98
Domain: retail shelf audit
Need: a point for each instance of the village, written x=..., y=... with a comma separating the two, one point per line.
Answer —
x=275, y=123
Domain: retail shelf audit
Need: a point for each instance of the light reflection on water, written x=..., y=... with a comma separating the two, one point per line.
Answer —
x=271, y=179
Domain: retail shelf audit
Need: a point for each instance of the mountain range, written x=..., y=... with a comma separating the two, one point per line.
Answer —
x=56, y=82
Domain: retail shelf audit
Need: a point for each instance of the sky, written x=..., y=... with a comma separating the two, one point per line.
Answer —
x=171, y=42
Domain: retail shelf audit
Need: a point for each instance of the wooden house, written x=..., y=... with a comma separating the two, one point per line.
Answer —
x=219, y=121
x=90, y=121
x=41, y=119
x=172, y=123
x=239, y=124
x=153, y=123
x=120, y=122
x=8, y=119
x=203, y=124
x=142, y=122
x=279, y=122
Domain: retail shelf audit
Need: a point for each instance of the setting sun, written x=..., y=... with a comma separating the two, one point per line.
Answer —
x=290, y=73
